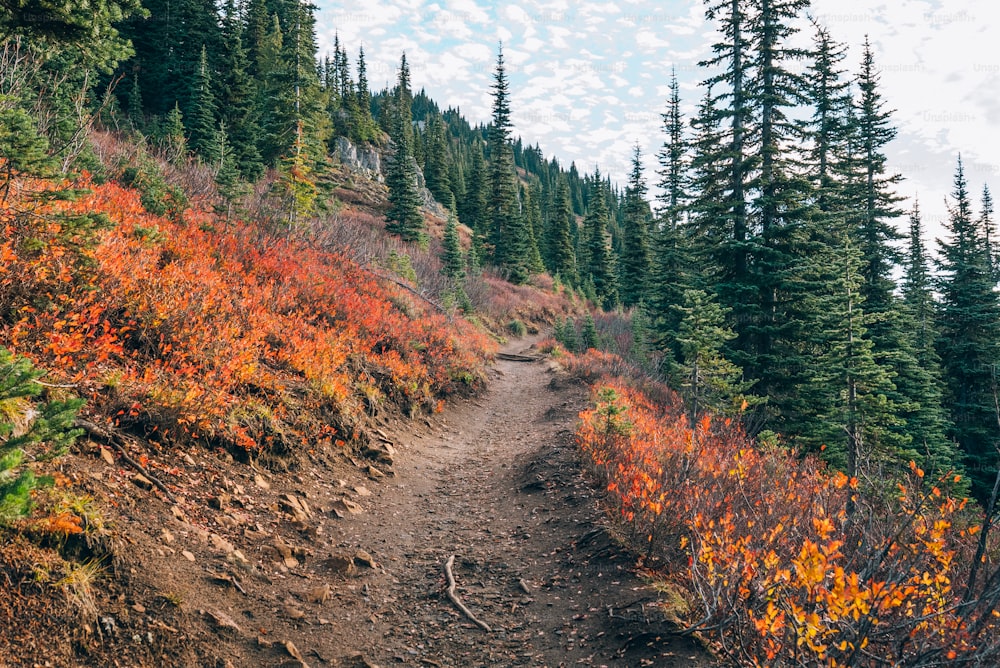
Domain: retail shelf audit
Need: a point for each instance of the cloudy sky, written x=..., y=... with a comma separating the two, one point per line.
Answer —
x=589, y=79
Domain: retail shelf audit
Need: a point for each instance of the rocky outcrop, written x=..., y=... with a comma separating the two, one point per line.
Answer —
x=364, y=160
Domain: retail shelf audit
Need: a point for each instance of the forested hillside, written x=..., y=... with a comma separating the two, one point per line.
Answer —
x=191, y=258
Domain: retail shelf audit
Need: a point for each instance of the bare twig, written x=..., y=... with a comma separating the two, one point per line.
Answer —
x=453, y=597
x=116, y=441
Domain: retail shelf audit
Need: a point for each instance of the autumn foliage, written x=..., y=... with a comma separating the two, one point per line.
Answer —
x=192, y=328
x=777, y=566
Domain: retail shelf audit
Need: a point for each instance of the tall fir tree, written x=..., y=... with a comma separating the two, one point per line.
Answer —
x=731, y=115
x=436, y=163
x=237, y=98
x=969, y=343
x=927, y=421
x=599, y=270
x=201, y=123
x=635, y=261
x=404, y=216
x=560, y=255
x=509, y=232
x=876, y=233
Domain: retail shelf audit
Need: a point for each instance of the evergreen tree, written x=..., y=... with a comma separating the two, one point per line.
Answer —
x=829, y=95
x=988, y=233
x=969, y=344
x=237, y=98
x=509, y=232
x=843, y=403
x=45, y=432
x=173, y=139
x=436, y=163
x=708, y=381
x=730, y=114
x=877, y=233
x=201, y=123
x=451, y=258
x=473, y=209
x=927, y=420
x=560, y=254
x=227, y=175
x=364, y=126
x=635, y=260
x=531, y=213
x=404, y=216
x=599, y=268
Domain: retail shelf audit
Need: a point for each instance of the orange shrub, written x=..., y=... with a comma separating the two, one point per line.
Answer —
x=777, y=567
x=232, y=334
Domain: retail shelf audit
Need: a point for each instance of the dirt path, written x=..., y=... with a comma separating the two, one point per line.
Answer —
x=496, y=483
x=336, y=564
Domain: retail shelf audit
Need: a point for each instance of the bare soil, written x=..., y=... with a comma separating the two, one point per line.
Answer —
x=340, y=561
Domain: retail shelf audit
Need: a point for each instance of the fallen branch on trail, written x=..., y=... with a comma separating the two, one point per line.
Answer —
x=453, y=597
x=509, y=357
x=117, y=441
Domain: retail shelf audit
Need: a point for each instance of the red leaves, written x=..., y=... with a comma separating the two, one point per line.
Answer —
x=220, y=333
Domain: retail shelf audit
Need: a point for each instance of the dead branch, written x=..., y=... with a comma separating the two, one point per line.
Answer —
x=453, y=597
x=409, y=289
x=117, y=441
x=517, y=358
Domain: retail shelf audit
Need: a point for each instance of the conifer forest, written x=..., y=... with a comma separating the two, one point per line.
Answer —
x=244, y=289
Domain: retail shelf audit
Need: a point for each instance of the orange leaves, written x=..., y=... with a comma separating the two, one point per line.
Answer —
x=767, y=543
x=220, y=333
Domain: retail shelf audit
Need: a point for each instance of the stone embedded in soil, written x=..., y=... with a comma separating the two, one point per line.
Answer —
x=293, y=612
x=221, y=544
x=107, y=456
x=342, y=507
x=362, y=558
x=222, y=621
x=187, y=555
x=362, y=491
x=142, y=481
x=340, y=563
x=166, y=536
x=319, y=594
x=220, y=501
x=260, y=482
x=293, y=651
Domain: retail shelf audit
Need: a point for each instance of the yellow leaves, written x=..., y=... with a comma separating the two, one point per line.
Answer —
x=824, y=527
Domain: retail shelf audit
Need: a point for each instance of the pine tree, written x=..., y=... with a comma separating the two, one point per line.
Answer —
x=436, y=163
x=927, y=420
x=707, y=380
x=227, y=175
x=560, y=254
x=531, y=214
x=473, y=208
x=989, y=233
x=173, y=140
x=451, y=257
x=364, y=126
x=635, y=260
x=876, y=233
x=201, y=123
x=829, y=94
x=404, y=217
x=969, y=343
x=237, y=98
x=599, y=270
x=730, y=115
x=46, y=431
x=843, y=402
x=509, y=232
